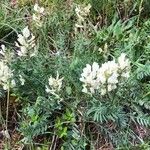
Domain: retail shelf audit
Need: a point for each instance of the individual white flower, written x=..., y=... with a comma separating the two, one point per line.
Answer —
x=37, y=16
x=47, y=89
x=81, y=12
x=95, y=68
x=2, y=50
x=89, y=78
x=13, y=83
x=38, y=9
x=103, y=91
x=78, y=26
x=125, y=74
x=55, y=84
x=124, y=65
x=6, y=55
x=3, y=47
x=23, y=51
x=123, y=62
x=26, y=32
x=22, y=41
x=26, y=43
x=6, y=134
x=92, y=90
x=5, y=86
x=84, y=90
x=22, y=80
x=113, y=79
x=111, y=87
x=100, y=50
x=87, y=9
x=89, y=72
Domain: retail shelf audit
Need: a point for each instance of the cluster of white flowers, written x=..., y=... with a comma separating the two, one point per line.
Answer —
x=37, y=16
x=55, y=85
x=106, y=77
x=82, y=13
x=26, y=43
x=5, y=76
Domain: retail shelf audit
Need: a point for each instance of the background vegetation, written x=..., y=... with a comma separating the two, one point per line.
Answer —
x=75, y=120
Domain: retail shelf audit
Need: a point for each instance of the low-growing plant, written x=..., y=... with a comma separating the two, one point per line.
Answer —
x=79, y=83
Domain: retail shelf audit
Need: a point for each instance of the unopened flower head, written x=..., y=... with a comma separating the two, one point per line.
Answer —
x=26, y=43
x=37, y=15
x=55, y=84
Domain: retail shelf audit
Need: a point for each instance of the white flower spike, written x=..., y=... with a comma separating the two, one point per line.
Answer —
x=105, y=78
x=5, y=76
x=81, y=13
x=37, y=15
x=26, y=43
x=55, y=84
